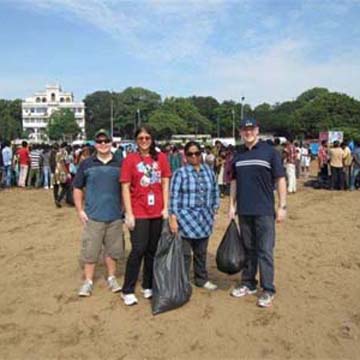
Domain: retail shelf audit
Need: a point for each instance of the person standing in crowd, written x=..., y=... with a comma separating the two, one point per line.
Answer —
x=34, y=167
x=347, y=164
x=220, y=166
x=336, y=166
x=290, y=165
x=145, y=186
x=99, y=210
x=53, y=153
x=209, y=158
x=305, y=159
x=256, y=167
x=194, y=202
x=297, y=160
x=175, y=159
x=45, y=161
x=355, y=166
x=228, y=168
x=7, y=155
x=62, y=178
x=323, y=160
x=24, y=161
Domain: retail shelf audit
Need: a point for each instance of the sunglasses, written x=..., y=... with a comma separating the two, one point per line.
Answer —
x=103, y=141
x=146, y=138
x=196, y=153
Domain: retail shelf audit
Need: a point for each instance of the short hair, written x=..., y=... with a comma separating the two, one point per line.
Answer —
x=191, y=143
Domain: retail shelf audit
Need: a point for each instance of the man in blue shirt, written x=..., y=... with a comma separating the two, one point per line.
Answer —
x=7, y=155
x=99, y=209
x=257, y=167
x=356, y=165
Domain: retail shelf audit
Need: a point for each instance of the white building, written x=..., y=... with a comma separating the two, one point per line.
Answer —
x=37, y=109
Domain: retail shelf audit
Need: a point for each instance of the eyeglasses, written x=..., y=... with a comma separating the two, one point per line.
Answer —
x=196, y=153
x=103, y=141
x=146, y=138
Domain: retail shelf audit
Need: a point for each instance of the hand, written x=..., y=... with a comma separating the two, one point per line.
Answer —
x=165, y=214
x=280, y=215
x=232, y=212
x=83, y=217
x=216, y=214
x=130, y=221
x=174, y=227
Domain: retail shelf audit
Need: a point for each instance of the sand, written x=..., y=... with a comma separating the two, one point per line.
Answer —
x=316, y=313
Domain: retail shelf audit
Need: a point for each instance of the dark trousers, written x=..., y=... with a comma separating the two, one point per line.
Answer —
x=258, y=233
x=337, y=178
x=144, y=240
x=64, y=189
x=199, y=249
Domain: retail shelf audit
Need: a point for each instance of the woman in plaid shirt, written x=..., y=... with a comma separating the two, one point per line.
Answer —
x=194, y=201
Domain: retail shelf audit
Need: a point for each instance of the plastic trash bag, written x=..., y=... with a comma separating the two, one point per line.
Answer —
x=171, y=285
x=230, y=255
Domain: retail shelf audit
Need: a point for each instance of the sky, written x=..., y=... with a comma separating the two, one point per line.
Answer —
x=265, y=50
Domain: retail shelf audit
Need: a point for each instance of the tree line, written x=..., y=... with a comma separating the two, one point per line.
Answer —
x=313, y=111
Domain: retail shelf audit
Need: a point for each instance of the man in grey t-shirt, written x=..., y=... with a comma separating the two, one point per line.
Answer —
x=356, y=165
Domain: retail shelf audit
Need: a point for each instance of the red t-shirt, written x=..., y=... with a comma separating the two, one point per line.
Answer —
x=144, y=175
x=24, y=157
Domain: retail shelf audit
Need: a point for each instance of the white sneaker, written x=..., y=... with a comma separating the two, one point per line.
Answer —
x=86, y=289
x=129, y=299
x=46, y=187
x=242, y=291
x=113, y=284
x=210, y=286
x=147, y=293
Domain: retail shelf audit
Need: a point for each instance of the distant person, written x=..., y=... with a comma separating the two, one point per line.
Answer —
x=97, y=200
x=175, y=159
x=305, y=159
x=290, y=165
x=34, y=177
x=347, y=164
x=256, y=167
x=194, y=202
x=209, y=158
x=323, y=161
x=356, y=165
x=45, y=161
x=7, y=157
x=298, y=160
x=336, y=165
x=24, y=161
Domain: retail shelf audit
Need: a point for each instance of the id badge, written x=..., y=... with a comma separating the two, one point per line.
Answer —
x=151, y=199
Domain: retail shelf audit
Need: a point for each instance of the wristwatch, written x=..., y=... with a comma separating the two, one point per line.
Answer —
x=284, y=207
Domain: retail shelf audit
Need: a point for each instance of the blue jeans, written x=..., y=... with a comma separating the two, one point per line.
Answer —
x=354, y=173
x=46, y=175
x=7, y=175
x=258, y=233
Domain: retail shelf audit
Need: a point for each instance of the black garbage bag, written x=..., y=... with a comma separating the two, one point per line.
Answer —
x=171, y=285
x=230, y=255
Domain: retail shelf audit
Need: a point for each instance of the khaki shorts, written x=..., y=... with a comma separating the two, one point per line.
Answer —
x=96, y=234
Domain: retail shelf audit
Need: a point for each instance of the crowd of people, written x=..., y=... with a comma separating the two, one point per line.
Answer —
x=143, y=185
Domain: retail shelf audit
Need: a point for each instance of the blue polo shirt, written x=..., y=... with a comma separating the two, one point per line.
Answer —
x=102, y=196
x=255, y=172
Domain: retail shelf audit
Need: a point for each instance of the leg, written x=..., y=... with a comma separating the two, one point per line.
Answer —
x=139, y=238
x=114, y=247
x=187, y=254
x=154, y=236
x=199, y=247
x=248, y=277
x=265, y=235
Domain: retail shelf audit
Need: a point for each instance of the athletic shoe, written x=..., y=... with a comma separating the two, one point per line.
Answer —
x=242, y=291
x=57, y=203
x=113, y=284
x=265, y=300
x=129, y=299
x=147, y=293
x=46, y=187
x=86, y=289
x=209, y=286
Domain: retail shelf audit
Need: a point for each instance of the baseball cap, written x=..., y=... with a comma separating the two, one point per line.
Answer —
x=248, y=123
x=102, y=132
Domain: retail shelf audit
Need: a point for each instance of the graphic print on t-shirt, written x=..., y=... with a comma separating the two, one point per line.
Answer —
x=152, y=174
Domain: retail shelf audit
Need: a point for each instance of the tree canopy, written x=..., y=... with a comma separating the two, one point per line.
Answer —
x=62, y=125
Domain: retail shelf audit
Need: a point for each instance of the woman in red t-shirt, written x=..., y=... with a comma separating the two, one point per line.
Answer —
x=145, y=187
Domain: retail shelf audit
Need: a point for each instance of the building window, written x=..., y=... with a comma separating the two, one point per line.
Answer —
x=53, y=97
x=44, y=99
x=32, y=110
x=38, y=100
x=68, y=99
x=61, y=99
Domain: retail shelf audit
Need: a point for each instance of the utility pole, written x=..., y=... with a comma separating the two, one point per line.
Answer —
x=233, y=124
x=242, y=107
x=218, y=126
x=111, y=116
x=138, y=117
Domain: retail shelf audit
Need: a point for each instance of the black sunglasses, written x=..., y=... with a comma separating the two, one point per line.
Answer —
x=103, y=141
x=196, y=153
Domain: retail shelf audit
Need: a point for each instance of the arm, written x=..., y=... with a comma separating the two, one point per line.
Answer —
x=165, y=191
x=78, y=201
x=174, y=201
x=232, y=201
x=281, y=191
x=129, y=216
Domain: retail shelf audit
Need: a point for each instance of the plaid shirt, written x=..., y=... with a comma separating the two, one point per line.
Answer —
x=194, y=197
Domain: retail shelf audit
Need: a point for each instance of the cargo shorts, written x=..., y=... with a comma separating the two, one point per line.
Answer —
x=96, y=235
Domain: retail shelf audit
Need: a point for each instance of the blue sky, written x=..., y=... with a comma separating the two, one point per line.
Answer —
x=267, y=51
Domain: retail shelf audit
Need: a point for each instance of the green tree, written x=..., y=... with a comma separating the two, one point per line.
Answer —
x=166, y=124
x=62, y=125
